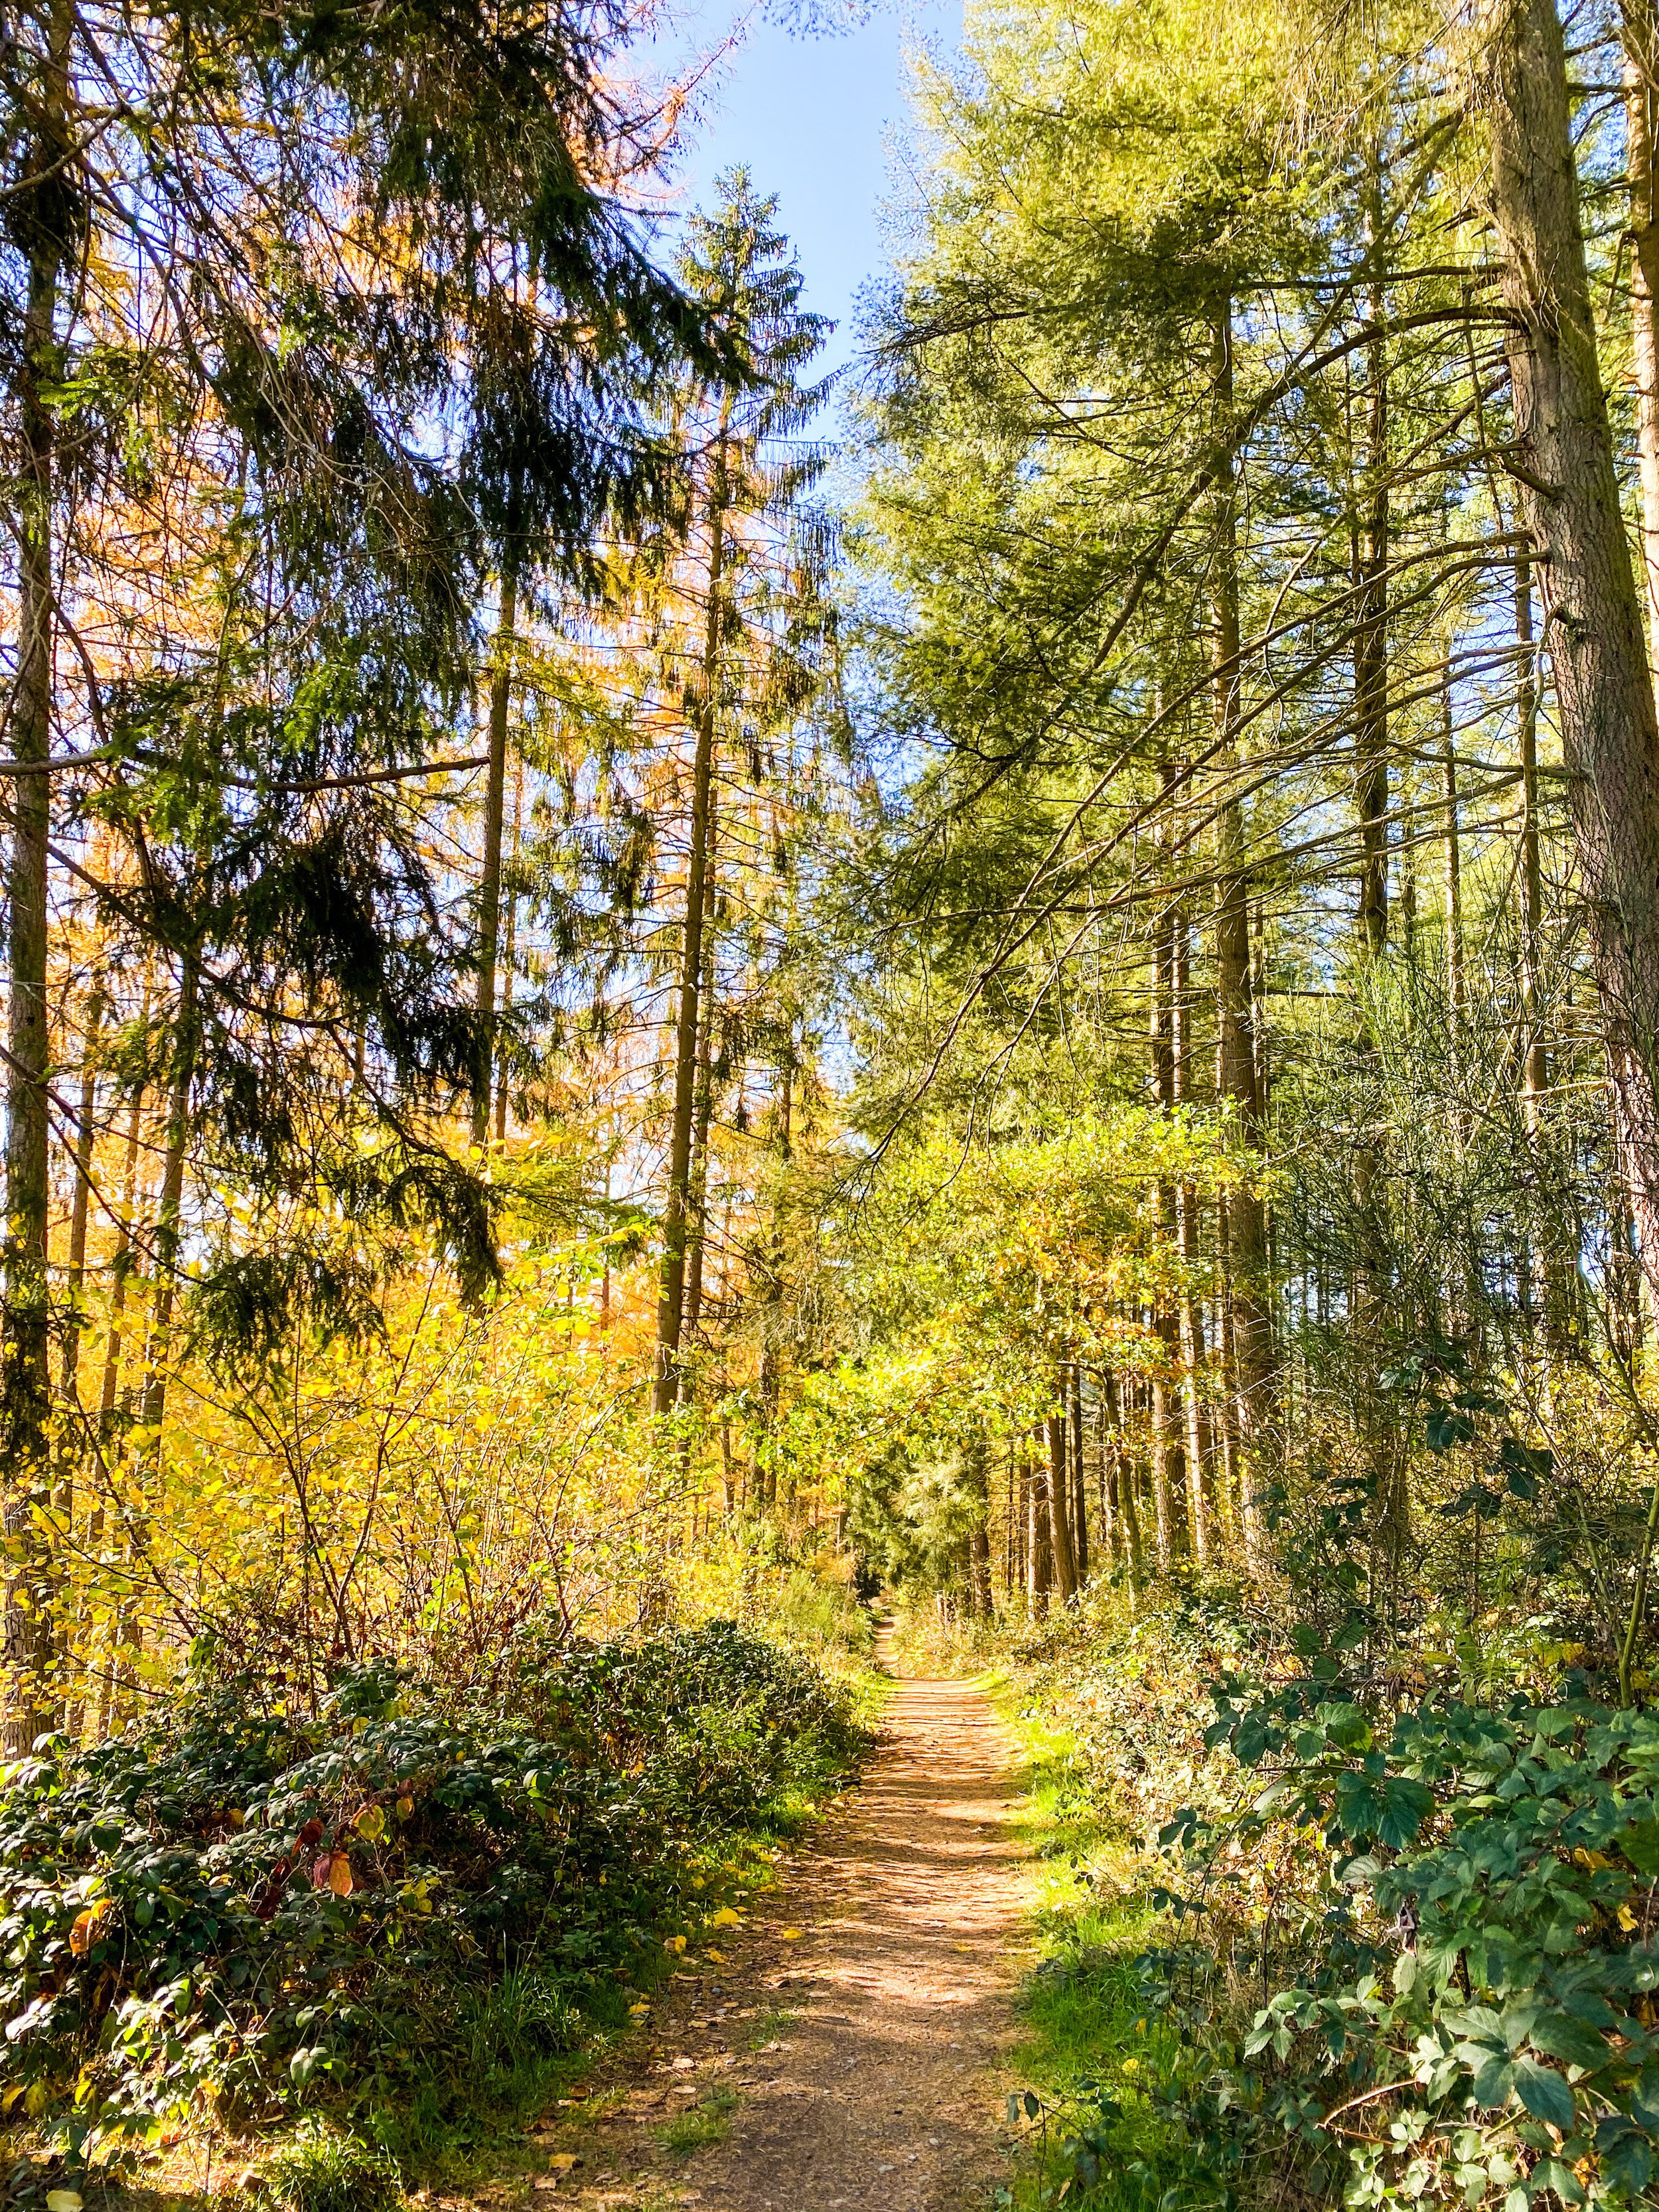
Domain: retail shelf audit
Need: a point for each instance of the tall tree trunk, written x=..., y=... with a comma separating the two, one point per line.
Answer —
x=1038, y=1552
x=1370, y=631
x=1190, y=1312
x=170, y=1216
x=1452, y=851
x=676, y=1209
x=37, y=216
x=1080, y=1483
x=697, y=1226
x=1166, y=1396
x=1641, y=120
x=127, y=1209
x=771, y=1366
x=1128, y=1504
x=86, y=1131
x=1534, y=1054
x=978, y=1485
x=1058, y=1490
x=510, y=944
x=1250, y=1290
x=489, y=880
x=1592, y=610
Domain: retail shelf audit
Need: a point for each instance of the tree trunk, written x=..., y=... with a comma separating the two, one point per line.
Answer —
x=979, y=1534
x=1456, y=993
x=86, y=1131
x=703, y=1120
x=676, y=1211
x=1641, y=116
x=1080, y=1483
x=1190, y=1317
x=510, y=936
x=1592, y=610
x=171, y=1212
x=1039, y=1556
x=37, y=218
x=1058, y=1489
x=489, y=880
x=1370, y=632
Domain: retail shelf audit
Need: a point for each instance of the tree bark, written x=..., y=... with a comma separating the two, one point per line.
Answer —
x=702, y=1121
x=490, y=879
x=676, y=1211
x=1641, y=120
x=1456, y=993
x=170, y=1216
x=1038, y=1554
x=510, y=935
x=1058, y=1489
x=1236, y=1046
x=1569, y=499
x=1370, y=632
x=1190, y=1316
x=86, y=1130
x=1080, y=1483
x=38, y=216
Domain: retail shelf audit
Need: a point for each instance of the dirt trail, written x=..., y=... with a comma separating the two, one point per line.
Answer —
x=878, y=2089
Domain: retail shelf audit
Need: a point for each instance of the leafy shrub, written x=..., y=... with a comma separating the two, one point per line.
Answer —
x=265, y=1906
x=1476, y=2009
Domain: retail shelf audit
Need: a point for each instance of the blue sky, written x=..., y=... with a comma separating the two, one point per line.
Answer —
x=814, y=119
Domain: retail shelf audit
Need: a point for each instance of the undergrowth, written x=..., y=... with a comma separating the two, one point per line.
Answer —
x=409, y=1920
x=1312, y=1932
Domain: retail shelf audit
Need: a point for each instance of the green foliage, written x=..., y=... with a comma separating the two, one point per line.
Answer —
x=272, y=1906
x=320, y=2172
x=1480, y=1981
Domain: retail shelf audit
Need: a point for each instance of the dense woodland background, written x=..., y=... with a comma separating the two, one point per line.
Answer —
x=599, y=1040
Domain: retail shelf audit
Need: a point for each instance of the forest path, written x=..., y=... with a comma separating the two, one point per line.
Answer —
x=864, y=2045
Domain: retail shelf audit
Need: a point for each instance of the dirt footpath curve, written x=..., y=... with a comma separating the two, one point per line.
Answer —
x=879, y=2088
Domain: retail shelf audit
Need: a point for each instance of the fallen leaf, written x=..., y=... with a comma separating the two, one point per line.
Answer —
x=792, y=1934
x=62, y=2200
x=639, y=2011
x=726, y=1919
x=718, y=1958
x=675, y=1943
x=564, y=2161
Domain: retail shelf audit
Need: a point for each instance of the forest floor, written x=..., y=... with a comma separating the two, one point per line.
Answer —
x=848, y=2048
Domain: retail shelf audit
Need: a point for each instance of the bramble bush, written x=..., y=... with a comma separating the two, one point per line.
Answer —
x=249, y=1904
x=1474, y=2014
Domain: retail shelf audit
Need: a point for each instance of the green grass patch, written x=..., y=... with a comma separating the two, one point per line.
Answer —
x=706, y=2122
x=768, y=2028
x=1101, y=2074
x=322, y=2171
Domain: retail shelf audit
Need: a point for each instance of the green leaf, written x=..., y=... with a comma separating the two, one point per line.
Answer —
x=1544, y=2092
x=1494, y=2080
x=1555, y=2173
x=1570, y=2041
